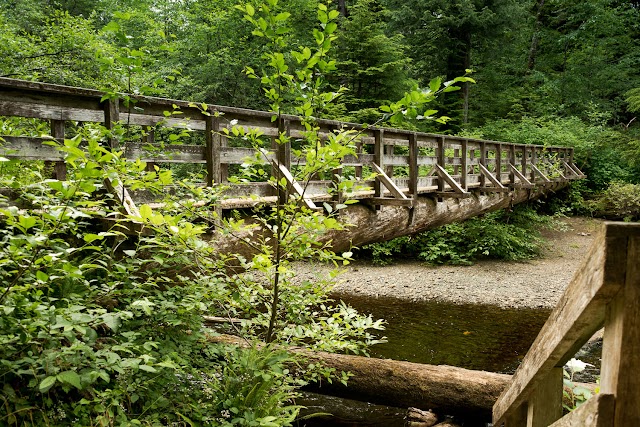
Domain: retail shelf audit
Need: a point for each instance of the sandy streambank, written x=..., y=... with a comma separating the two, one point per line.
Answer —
x=536, y=283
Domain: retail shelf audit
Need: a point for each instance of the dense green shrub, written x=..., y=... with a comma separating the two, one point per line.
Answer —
x=508, y=235
x=619, y=201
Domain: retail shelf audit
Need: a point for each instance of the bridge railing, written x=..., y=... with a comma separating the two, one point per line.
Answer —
x=407, y=163
x=604, y=291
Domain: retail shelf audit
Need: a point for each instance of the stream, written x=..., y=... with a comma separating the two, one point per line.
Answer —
x=471, y=336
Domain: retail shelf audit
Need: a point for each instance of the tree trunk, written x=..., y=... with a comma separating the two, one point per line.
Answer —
x=367, y=225
x=533, y=50
x=445, y=389
x=342, y=7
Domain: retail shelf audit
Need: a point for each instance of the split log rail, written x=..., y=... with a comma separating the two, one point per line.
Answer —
x=407, y=164
x=605, y=290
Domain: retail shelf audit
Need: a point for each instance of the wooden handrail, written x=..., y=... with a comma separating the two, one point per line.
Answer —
x=605, y=290
x=467, y=161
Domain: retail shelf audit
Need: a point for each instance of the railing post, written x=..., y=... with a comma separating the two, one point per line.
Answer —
x=464, y=164
x=512, y=161
x=413, y=165
x=534, y=161
x=621, y=343
x=524, y=159
x=483, y=161
x=499, y=162
x=545, y=404
x=59, y=168
x=111, y=118
x=212, y=151
x=378, y=156
x=388, y=150
x=150, y=139
x=441, y=162
x=358, y=169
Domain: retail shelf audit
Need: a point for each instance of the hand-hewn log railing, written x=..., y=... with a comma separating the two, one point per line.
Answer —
x=413, y=163
x=605, y=290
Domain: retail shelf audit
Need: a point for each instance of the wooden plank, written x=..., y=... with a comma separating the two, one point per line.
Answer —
x=378, y=153
x=126, y=203
x=441, y=164
x=523, y=179
x=49, y=112
x=451, y=194
x=498, y=161
x=111, y=118
x=621, y=344
x=595, y=412
x=536, y=171
x=577, y=316
x=59, y=167
x=448, y=179
x=464, y=164
x=212, y=150
x=497, y=184
x=294, y=185
x=388, y=183
x=27, y=148
x=413, y=165
x=545, y=405
x=391, y=201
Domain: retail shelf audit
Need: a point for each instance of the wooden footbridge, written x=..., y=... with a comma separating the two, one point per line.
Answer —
x=422, y=180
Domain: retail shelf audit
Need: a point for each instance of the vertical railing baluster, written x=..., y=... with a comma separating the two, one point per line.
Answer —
x=59, y=167
x=413, y=165
x=464, y=164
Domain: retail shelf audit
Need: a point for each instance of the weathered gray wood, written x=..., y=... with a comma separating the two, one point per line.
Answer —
x=59, y=167
x=295, y=186
x=413, y=165
x=596, y=412
x=545, y=405
x=27, y=148
x=388, y=182
x=212, y=150
x=390, y=201
x=111, y=118
x=579, y=313
x=537, y=171
x=445, y=177
x=497, y=185
x=464, y=164
x=621, y=343
x=378, y=153
x=498, y=152
x=441, y=164
x=523, y=179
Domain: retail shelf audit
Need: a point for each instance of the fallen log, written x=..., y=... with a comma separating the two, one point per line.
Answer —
x=444, y=389
x=447, y=390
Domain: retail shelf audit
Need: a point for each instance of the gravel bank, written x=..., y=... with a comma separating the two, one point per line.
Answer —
x=536, y=283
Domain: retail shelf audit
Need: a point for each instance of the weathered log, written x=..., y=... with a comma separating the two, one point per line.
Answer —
x=367, y=225
x=444, y=389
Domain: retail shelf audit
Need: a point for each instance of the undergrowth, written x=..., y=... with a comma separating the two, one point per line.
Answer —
x=510, y=235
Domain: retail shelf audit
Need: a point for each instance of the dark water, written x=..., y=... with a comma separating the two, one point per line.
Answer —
x=480, y=337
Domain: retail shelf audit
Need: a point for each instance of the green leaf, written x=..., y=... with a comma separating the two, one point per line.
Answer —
x=46, y=384
x=434, y=84
x=42, y=276
x=250, y=10
x=70, y=377
x=148, y=368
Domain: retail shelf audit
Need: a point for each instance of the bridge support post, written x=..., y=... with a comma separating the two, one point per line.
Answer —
x=59, y=168
x=464, y=164
x=378, y=154
x=111, y=117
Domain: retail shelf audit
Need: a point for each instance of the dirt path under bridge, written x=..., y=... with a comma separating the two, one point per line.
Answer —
x=536, y=283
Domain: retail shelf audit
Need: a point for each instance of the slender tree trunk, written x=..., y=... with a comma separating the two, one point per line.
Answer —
x=533, y=49
x=342, y=7
x=466, y=86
